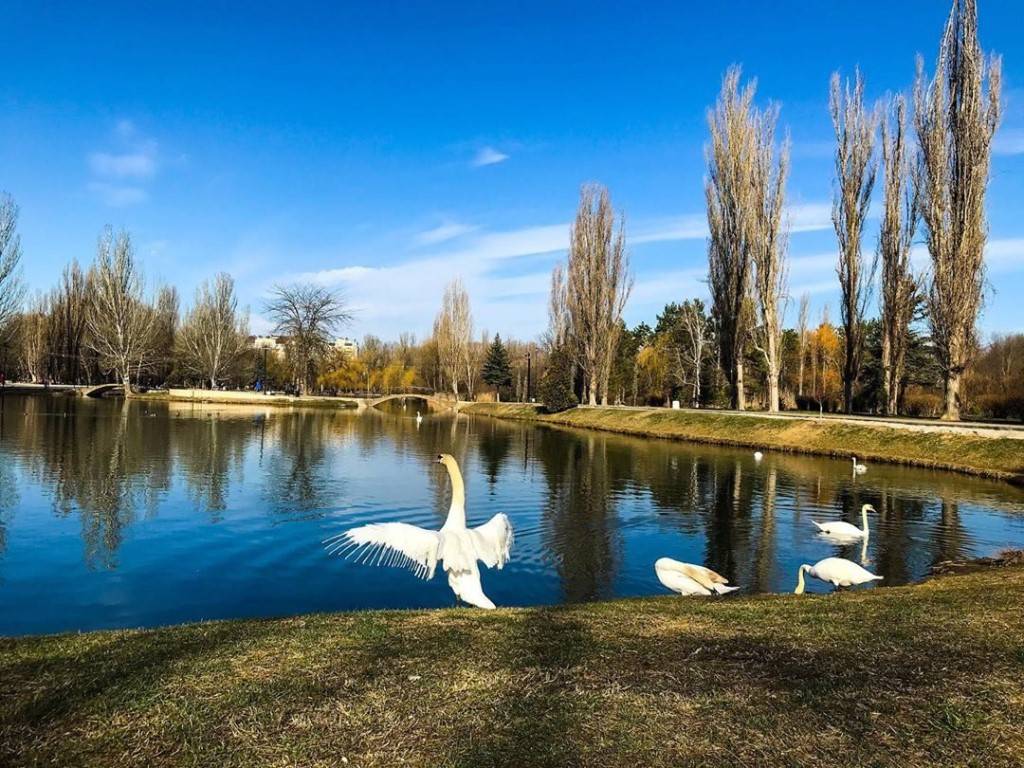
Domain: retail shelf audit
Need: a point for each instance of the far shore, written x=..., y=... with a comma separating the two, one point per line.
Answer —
x=972, y=449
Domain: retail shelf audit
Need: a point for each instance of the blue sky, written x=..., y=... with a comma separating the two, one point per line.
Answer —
x=384, y=148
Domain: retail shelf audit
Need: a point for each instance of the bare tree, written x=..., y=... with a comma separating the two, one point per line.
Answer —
x=11, y=289
x=35, y=339
x=558, y=311
x=728, y=189
x=801, y=342
x=956, y=117
x=598, y=285
x=309, y=315
x=695, y=346
x=856, y=165
x=69, y=304
x=453, y=330
x=163, y=346
x=120, y=323
x=900, y=286
x=213, y=336
x=768, y=241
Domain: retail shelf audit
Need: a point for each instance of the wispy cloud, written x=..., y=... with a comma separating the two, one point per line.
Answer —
x=118, y=175
x=443, y=233
x=1008, y=142
x=118, y=195
x=488, y=156
x=140, y=165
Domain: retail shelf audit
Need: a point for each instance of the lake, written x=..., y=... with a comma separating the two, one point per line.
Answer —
x=116, y=514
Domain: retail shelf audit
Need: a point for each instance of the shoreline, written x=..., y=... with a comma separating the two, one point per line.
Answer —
x=964, y=449
x=924, y=674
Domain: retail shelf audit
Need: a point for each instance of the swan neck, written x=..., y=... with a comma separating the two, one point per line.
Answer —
x=457, y=511
x=800, y=581
x=864, y=521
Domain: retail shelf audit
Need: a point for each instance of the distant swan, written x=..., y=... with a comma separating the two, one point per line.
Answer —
x=845, y=530
x=419, y=418
x=837, y=571
x=455, y=546
x=758, y=455
x=687, y=579
x=859, y=469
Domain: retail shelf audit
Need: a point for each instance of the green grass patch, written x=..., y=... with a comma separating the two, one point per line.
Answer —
x=958, y=450
x=913, y=676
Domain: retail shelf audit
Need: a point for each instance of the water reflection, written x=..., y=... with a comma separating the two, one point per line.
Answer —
x=219, y=510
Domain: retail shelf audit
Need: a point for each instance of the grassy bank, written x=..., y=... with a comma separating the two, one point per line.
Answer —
x=931, y=674
x=1000, y=457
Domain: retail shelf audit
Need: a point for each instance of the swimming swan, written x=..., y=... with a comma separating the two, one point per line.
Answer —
x=844, y=530
x=419, y=418
x=455, y=546
x=835, y=570
x=859, y=469
x=687, y=579
x=758, y=455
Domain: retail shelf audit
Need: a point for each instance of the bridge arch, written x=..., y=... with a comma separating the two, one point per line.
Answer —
x=434, y=402
x=102, y=389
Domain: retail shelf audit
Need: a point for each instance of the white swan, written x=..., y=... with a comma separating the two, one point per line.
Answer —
x=837, y=571
x=859, y=469
x=455, y=546
x=687, y=579
x=419, y=418
x=758, y=455
x=843, y=530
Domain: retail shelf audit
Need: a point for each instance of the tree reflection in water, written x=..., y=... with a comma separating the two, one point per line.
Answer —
x=592, y=510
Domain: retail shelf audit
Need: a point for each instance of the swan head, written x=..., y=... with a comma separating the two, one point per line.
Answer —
x=868, y=508
x=448, y=460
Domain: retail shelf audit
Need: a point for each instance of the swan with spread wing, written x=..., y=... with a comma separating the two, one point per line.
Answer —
x=455, y=546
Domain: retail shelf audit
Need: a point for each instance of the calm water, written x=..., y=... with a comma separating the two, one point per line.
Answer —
x=123, y=515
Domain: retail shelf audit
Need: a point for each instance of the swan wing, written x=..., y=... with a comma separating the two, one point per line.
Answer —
x=698, y=573
x=492, y=541
x=398, y=544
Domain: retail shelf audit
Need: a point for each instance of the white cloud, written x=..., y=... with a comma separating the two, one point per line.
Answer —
x=507, y=274
x=1008, y=142
x=442, y=233
x=118, y=175
x=117, y=195
x=127, y=165
x=809, y=217
x=488, y=156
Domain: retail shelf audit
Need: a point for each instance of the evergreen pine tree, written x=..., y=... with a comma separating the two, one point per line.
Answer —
x=497, y=370
x=556, y=390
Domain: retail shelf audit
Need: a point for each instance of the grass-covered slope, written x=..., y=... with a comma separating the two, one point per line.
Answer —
x=1000, y=457
x=926, y=675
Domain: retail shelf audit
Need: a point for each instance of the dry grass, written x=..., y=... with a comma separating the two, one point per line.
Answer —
x=926, y=675
x=960, y=451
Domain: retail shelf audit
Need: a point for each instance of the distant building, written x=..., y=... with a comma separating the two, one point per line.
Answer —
x=347, y=345
x=275, y=344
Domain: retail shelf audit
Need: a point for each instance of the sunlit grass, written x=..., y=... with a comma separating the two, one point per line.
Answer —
x=931, y=674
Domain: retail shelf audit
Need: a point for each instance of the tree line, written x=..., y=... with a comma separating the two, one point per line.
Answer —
x=929, y=155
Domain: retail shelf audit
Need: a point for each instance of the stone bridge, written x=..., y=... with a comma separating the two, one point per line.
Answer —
x=436, y=403
x=101, y=389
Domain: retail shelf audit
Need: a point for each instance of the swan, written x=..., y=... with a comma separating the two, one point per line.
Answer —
x=837, y=571
x=687, y=579
x=455, y=546
x=419, y=418
x=859, y=469
x=844, y=530
x=758, y=455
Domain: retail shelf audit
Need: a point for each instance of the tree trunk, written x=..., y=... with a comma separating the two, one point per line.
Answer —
x=952, y=412
x=800, y=380
x=591, y=391
x=497, y=395
x=739, y=398
x=888, y=396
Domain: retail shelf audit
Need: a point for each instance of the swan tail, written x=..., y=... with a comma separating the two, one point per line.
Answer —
x=466, y=586
x=722, y=589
